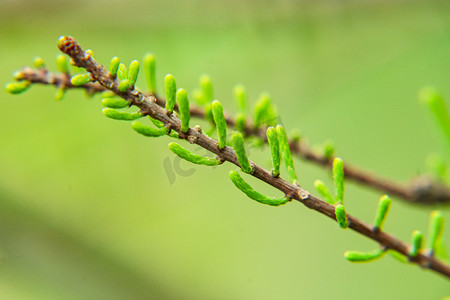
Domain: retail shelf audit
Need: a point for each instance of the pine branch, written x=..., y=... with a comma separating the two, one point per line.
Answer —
x=422, y=190
x=148, y=107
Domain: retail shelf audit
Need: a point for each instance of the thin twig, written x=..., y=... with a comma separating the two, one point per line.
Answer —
x=421, y=190
x=148, y=106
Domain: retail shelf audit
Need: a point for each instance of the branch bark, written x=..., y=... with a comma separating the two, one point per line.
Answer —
x=421, y=190
x=148, y=106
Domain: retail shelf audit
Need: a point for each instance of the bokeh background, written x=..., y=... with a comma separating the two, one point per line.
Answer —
x=89, y=210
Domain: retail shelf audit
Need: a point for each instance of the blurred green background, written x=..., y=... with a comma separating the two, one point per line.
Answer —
x=87, y=208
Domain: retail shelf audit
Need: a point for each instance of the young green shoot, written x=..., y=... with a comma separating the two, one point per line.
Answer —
x=38, y=63
x=417, y=243
x=192, y=157
x=341, y=216
x=264, y=112
x=114, y=66
x=133, y=72
x=221, y=124
x=240, y=183
x=170, y=86
x=239, y=148
x=240, y=122
x=358, y=256
x=115, y=102
x=122, y=72
x=149, y=131
x=437, y=166
x=241, y=98
x=124, y=85
x=435, y=230
x=383, y=209
x=338, y=176
x=274, y=145
x=62, y=64
x=435, y=102
x=324, y=192
x=286, y=153
x=328, y=150
x=17, y=87
x=183, y=105
x=150, y=72
x=207, y=89
x=81, y=79
x=120, y=115
x=60, y=93
x=296, y=135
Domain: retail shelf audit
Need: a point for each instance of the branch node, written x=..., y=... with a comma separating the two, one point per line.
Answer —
x=191, y=139
x=303, y=194
x=375, y=229
x=198, y=129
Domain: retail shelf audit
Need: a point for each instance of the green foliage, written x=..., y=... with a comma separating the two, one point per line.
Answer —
x=436, y=228
x=240, y=183
x=114, y=66
x=60, y=93
x=435, y=102
x=338, y=176
x=207, y=90
x=170, y=86
x=324, y=192
x=221, y=124
x=148, y=131
x=241, y=98
x=133, y=72
x=264, y=112
x=115, y=102
x=417, y=243
x=357, y=256
x=438, y=167
x=239, y=147
x=120, y=115
x=398, y=256
x=341, y=216
x=150, y=72
x=240, y=122
x=124, y=85
x=286, y=153
x=197, y=94
x=208, y=112
x=122, y=72
x=272, y=137
x=328, y=149
x=38, y=63
x=157, y=123
x=382, y=211
x=295, y=135
x=192, y=157
x=17, y=87
x=81, y=79
x=183, y=106
x=62, y=63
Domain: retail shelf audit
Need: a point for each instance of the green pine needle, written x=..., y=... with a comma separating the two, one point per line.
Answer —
x=192, y=157
x=240, y=183
x=358, y=256
x=239, y=148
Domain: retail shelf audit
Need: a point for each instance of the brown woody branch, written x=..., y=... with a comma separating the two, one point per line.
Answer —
x=421, y=190
x=148, y=106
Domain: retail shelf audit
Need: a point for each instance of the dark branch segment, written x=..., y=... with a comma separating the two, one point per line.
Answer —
x=421, y=190
x=149, y=106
